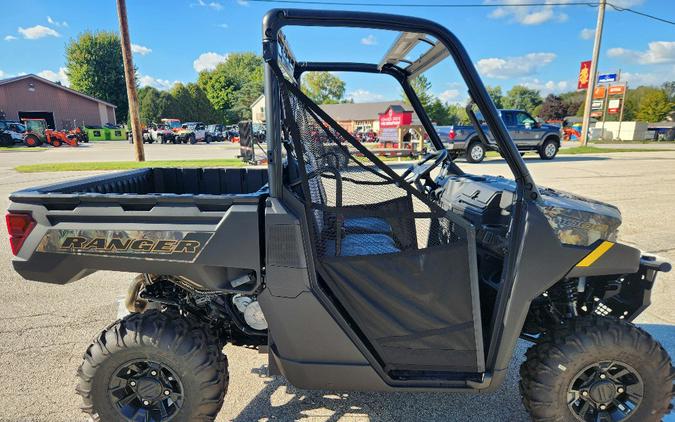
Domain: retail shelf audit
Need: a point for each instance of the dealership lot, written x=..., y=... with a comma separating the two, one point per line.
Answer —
x=44, y=329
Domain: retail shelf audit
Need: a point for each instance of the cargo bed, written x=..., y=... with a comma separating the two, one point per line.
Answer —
x=177, y=221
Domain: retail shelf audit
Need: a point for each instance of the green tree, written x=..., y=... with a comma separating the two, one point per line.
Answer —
x=149, y=105
x=457, y=115
x=573, y=101
x=669, y=88
x=495, y=93
x=422, y=88
x=438, y=113
x=94, y=67
x=323, y=87
x=522, y=98
x=233, y=85
x=654, y=107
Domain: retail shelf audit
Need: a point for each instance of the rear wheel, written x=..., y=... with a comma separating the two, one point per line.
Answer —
x=31, y=141
x=476, y=152
x=55, y=143
x=6, y=140
x=597, y=369
x=548, y=150
x=153, y=366
x=193, y=140
x=207, y=139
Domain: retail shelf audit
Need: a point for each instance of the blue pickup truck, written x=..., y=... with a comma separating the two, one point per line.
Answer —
x=526, y=132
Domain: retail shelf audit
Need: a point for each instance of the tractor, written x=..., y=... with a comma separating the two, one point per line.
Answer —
x=38, y=133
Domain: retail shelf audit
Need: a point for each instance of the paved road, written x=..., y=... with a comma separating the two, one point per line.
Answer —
x=44, y=329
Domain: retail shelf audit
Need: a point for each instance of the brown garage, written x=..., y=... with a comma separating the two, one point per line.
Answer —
x=30, y=96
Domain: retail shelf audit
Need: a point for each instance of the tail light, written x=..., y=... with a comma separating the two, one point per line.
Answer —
x=452, y=135
x=19, y=227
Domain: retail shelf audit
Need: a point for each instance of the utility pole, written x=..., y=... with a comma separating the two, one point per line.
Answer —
x=130, y=78
x=594, y=72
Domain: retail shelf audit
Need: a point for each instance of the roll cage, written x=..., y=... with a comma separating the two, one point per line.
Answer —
x=412, y=32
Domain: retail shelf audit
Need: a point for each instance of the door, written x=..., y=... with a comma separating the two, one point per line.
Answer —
x=528, y=131
x=400, y=269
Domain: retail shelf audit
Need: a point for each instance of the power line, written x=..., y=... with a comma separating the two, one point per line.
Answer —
x=461, y=5
x=426, y=5
x=625, y=9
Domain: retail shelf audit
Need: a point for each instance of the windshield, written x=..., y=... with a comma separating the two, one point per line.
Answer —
x=173, y=124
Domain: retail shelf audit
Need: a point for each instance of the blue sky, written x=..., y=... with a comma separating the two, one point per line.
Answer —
x=540, y=47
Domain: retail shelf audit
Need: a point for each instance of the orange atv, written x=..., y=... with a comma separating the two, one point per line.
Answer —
x=37, y=133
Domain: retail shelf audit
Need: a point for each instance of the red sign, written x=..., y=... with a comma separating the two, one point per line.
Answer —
x=584, y=75
x=395, y=118
x=617, y=90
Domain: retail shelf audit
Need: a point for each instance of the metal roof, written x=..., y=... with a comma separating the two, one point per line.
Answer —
x=47, y=81
x=361, y=111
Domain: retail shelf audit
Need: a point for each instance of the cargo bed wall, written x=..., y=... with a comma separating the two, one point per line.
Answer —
x=161, y=221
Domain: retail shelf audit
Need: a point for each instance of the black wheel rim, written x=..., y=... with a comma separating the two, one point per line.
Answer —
x=606, y=391
x=147, y=391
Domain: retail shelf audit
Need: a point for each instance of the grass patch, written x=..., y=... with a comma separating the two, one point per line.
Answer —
x=600, y=142
x=597, y=150
x=22, y=149
x=127, y=165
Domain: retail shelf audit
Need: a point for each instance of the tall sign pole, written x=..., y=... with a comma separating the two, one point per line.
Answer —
x=130, y=78
x=594, y=72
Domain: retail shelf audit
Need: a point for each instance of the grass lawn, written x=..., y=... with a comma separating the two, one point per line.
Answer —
x=632, y=142
x=126, y=165
x=22, y=149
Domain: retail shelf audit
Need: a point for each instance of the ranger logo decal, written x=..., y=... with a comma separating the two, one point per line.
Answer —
x=146, y=244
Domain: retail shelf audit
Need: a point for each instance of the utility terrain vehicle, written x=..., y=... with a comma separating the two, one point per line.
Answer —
x=350, y=275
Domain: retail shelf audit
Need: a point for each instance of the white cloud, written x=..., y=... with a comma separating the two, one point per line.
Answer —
x=38, y=31
x=655, y=78
x=658, y=52
x=59, y=76
x=364, y=96
x=2, y=74
x=369, y=40
x=161, y=84
x=587, y=33
x=223, y=25
x=528, y=15
x=10, y=38
x=548, y=87
x=140, y=49
x=56, y=23
x=213, y=4
x=208, y=61
x=449, y=95
x=243, y=2
x=513, y=67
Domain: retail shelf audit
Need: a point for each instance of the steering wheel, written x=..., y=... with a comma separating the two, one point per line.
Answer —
x=421, y=171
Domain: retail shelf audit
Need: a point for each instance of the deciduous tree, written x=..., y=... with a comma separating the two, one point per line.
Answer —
x=654, y=106
x=323, y=87
x=552, y=108
x=522, y=98
x=94, y=67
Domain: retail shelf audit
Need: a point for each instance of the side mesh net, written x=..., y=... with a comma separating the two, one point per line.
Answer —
x=396, y=263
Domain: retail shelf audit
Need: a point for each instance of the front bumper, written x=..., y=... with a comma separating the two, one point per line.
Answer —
x=633, y=295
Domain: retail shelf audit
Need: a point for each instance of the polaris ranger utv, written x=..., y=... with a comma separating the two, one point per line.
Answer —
x=350, y=275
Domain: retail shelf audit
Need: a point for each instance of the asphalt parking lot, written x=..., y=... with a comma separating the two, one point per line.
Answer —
x=44, y=329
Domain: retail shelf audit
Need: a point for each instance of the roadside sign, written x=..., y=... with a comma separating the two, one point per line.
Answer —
x=596, y=113
x=605, y=78
x=597, y=104
x=617, y=90
x=599, y=92
x=584, y=75
x=613, y=106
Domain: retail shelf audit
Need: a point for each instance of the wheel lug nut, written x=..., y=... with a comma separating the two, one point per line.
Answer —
x=145, y=402
x=167, y=392
x=170, y=378
x=620, y=390
x=584, y=393
x=153, y=373
x=132, y=383
x=603, y=376
x=603, y=407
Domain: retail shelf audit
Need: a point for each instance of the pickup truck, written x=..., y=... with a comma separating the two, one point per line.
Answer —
x=526, y=132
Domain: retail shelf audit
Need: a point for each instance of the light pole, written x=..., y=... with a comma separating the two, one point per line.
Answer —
x=594, y=72
x=130, y=78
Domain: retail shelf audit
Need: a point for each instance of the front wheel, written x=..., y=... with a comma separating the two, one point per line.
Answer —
x=31, y=141
x=597, y=369
x=548, y=150
x=153, y=366
x=476, y=152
